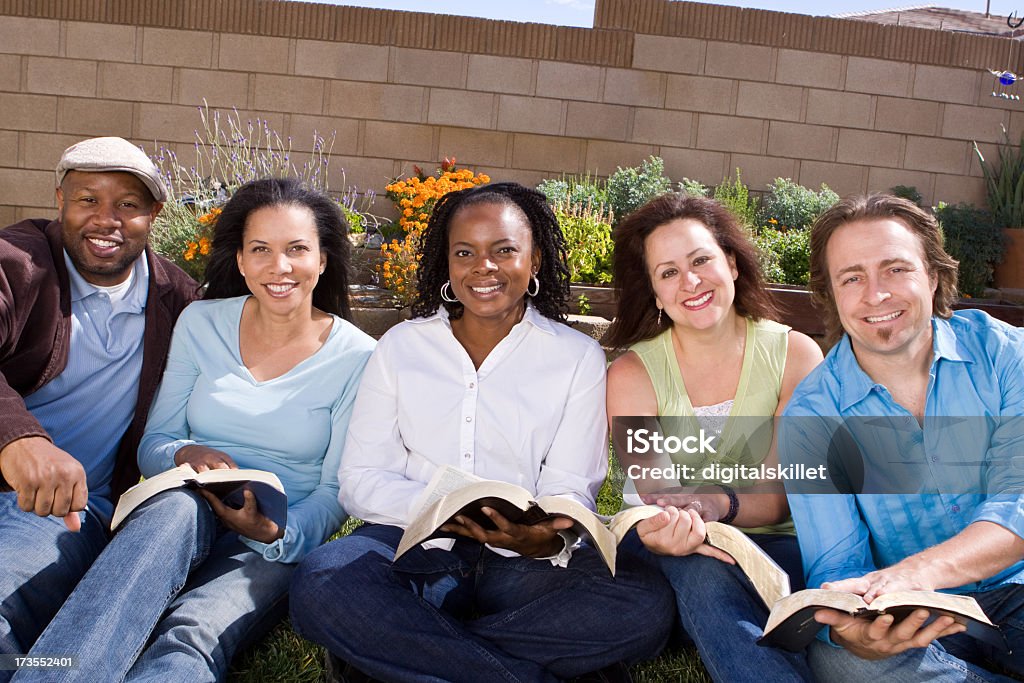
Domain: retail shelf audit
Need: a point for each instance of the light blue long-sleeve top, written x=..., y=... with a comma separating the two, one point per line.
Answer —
x=977, y=373
x=293, y=425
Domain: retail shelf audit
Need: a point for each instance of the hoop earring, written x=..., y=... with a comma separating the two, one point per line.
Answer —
x=449, y=297
x=535, y=283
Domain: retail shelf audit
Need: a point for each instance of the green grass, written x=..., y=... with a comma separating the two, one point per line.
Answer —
x=284, y=657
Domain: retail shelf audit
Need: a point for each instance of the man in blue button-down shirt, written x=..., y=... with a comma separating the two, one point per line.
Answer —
x=879, y=271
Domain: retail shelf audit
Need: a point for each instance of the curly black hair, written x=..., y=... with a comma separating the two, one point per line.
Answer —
x=551, y=301
x=222, y=278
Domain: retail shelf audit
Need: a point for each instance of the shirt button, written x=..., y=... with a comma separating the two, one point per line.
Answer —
x=467, y=456
x=469, y=419
x=955, y=508
x=472, y=384
x=935, y=458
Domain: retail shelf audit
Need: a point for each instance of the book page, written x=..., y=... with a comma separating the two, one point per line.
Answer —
x=426, y=523
x=446, y=479
x=769, y=579
x=587, y=524
x=947, y=602
x=624, y=520
x=144, y=490
x=817, y=598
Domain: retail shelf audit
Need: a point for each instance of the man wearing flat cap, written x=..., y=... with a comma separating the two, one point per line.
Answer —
x=86, y=312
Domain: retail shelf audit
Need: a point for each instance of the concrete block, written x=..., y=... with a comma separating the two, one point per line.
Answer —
x=474, y=147
x=878, y=76
x=500, y=74
x=547, y=153
x=256, y=54
x=602, y=121
x=729, y=134
x=347, y=61
x=936, y=154
x=697, y=93
x=813, y=69
x=769, y=101
x=801, y=141
x=28, y=112
x=135, y=82
x=667, y=53
x=736, y=60
x=662, y=127
x=568, y=81
x=838, y=109
x=175, y=47
x=604, y=158
x=636, y=88
x=377, y=101
x=906, y=116
x=529, y=114
x=94, y=117
x=217, y=88
x=844, y=179
x=868, y=148
x=460, y=108
x=109, y=42
x=289, y=94
x=55, y=76
x=429, y=67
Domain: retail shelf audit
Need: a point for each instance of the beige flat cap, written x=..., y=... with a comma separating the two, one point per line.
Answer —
x=103, y=155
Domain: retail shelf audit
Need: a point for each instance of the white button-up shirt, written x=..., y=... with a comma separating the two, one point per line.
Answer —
x=533, y=415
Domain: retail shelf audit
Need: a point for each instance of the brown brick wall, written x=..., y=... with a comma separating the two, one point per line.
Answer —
x=854, y=105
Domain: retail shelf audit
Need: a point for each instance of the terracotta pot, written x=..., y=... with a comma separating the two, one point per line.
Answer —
x=1010, y=273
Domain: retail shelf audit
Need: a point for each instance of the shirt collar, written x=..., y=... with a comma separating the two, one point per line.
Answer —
x=531, y=317
x=855, y=384
x=134, y=301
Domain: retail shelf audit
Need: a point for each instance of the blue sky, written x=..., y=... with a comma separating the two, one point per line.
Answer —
x=581, y=12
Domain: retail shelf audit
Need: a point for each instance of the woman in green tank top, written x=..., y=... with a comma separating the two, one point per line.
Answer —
x=696, y=318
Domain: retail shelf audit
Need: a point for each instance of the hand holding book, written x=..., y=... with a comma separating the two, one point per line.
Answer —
x=533, y=540
x=247, y=520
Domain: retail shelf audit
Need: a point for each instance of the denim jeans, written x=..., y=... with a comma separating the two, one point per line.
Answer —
x=40, y=564
x=171, y=598
x=470, y=614
x=722, y=614
x=954, y=658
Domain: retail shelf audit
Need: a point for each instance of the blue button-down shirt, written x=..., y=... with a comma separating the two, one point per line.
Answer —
x=87, y=408
x=977, y=373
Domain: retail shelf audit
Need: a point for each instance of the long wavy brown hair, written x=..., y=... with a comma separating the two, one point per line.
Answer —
x=636, y=316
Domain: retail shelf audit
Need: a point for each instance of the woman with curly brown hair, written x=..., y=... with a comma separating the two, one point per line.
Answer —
x=696, y=318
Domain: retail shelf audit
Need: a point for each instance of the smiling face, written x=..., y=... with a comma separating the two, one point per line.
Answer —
x=491, y=258
x=280, y=258
x=105, y=219
x=882, y=289
x=692, y=278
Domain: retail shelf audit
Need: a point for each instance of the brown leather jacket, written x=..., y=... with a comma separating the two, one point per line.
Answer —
x=35, y=330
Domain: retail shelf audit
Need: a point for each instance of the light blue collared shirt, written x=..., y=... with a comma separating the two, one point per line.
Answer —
x=977, y=373
x=87, y=408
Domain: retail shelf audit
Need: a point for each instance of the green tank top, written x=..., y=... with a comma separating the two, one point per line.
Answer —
x=742, y=442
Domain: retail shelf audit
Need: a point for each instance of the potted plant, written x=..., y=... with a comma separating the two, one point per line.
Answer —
x=1004, y=185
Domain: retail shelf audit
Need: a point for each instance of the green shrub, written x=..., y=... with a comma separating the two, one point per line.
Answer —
x=785, y=255
x=583, y=192
x=908, y=192
x=1004, y=183
x=973, y=238
x=694, y=188
x=734, y=195
x=795, y=206
x=588, y=243
x=631, y=188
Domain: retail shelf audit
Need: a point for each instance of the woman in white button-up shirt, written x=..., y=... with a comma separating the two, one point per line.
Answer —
x=486, y=378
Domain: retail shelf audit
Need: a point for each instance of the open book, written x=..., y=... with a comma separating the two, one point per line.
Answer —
x=453, y=492
x=228, y=485
x=791, y=624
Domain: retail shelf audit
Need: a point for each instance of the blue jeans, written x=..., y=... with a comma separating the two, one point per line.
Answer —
x=954, y=658
x=171, y=598
x=723, y=616
x=40, y=564
x=472, y=615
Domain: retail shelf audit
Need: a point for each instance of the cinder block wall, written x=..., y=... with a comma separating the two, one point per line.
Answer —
x=858, y=106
